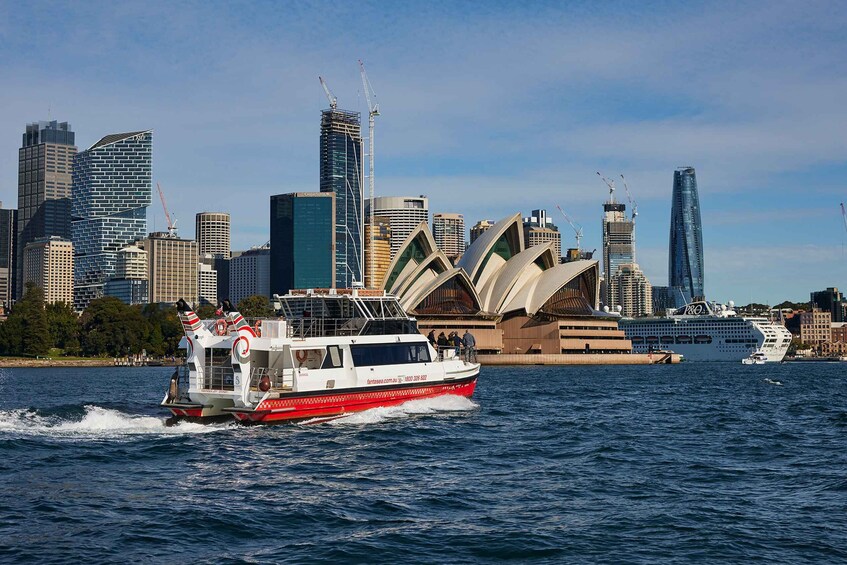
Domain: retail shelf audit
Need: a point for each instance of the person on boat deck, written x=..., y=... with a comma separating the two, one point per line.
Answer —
x=442, y=344
x=456, y=341
x=431, y=337
x=470, y=345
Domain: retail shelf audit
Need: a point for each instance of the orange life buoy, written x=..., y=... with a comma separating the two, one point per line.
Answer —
x=220, y=327
x=258, y=328
x=301, y=358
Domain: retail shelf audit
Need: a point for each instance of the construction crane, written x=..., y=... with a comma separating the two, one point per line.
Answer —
x=632, y=203
x=576, y=228
x=171, y=224
x=373, y=112
x=844, y=215
x=611, y=185
x=333, y=101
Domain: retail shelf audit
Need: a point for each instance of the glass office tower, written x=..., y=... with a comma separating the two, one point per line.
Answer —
x=302, y=241
x=685, y=257
x=45, y=160
x=112, y=188
x=341, y=174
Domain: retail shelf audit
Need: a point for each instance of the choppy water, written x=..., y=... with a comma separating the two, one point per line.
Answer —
x=696, y=462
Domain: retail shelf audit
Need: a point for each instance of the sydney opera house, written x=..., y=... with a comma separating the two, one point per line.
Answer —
x=512, y=298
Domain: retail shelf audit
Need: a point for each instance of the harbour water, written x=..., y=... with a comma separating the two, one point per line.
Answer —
x=692, y=462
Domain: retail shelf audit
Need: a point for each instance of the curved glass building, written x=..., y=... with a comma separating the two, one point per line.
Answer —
x=685, y=257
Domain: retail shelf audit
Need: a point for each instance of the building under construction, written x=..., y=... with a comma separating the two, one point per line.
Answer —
x=341, y=174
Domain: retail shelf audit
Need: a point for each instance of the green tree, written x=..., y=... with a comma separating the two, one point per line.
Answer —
x=164, y=318
x=26, y=331
x=110, y=327
x=206, y=312
x=64, y=327
x=255, y=306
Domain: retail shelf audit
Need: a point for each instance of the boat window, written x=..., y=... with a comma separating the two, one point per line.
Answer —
x=308, y=358
x=370, y=355
x=333, y=359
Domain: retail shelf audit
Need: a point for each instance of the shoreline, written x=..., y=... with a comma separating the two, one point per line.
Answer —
x=20, y=363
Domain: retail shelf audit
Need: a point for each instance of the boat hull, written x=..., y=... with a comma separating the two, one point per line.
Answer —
x=328, y=404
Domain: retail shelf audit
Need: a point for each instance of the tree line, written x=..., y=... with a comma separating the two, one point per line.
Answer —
x=108, y=327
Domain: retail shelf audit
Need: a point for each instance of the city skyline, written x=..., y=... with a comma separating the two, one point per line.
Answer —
x=641, y=91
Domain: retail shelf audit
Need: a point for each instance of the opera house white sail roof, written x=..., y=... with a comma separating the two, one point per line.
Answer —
x=497, y=276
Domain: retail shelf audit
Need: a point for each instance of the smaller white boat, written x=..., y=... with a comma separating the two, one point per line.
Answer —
x=757, y=358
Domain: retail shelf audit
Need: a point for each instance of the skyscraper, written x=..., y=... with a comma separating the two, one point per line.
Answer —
x=405, y=213
x=8, y=254
x=112, y=188
x=539, y=228
x=130, y=281
x=249, y=274
x=480, y=228
x=303, y=241
x=630, y=289
x=618, y=244
x=341, y=174
x=172, y=269
x=685, y=257
x=45, y=161
x=448, y=230
x=212, y=233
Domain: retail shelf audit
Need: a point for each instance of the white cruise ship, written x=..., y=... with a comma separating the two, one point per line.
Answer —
x=708, y=331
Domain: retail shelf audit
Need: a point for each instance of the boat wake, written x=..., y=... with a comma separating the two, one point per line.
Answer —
x=770, y=382
x=97, y=422
x=436, y=405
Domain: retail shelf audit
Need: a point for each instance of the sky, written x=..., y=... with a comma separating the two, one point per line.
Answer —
x=487, y=108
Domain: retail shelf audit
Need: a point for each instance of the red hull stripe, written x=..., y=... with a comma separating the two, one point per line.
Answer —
x=334, y=404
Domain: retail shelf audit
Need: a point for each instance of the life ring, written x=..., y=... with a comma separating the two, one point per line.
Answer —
x=220, y=327
x=301, y=359
x=258, y=328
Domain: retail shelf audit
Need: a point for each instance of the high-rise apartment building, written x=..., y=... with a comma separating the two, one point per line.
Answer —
x=380, y=246
x=404, y=213
x=630, y=289
x=250, y=274
x=832, y=301
x=539, y=228
x=303, y=241
x=448, y=230
x=8, y=255
x=112, y=188
x=685, y=257
x=45, y=162
x=341, y=174
x=480, y=228
x=49, y=263
x=662, y=300
x=130, y=281
x=211, y=230
x=618, y=242
x=171, y=269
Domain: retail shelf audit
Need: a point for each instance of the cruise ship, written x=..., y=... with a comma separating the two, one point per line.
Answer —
x=708, y=331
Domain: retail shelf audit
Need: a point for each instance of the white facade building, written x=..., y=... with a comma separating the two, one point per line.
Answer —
x=405, y=213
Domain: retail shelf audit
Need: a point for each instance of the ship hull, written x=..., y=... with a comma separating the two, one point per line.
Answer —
x=329, y=404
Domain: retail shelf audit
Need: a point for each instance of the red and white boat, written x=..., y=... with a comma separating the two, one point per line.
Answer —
x=330, y=353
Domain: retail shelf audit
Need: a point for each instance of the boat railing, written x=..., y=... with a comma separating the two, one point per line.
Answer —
x=218, y=378
x=277, y=379
x=324, y=327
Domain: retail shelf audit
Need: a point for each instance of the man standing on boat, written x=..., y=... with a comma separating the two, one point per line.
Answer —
x=470, y=346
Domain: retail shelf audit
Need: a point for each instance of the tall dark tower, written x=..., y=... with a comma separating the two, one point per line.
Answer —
x=45, y=161
x=341, y=174
x=685, y=257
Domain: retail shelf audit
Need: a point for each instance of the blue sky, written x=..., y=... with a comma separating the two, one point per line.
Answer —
x=487, y=108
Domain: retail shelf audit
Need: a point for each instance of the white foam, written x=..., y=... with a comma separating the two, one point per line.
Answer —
x=770, y=382
x=434, y=405
x=98, y=422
